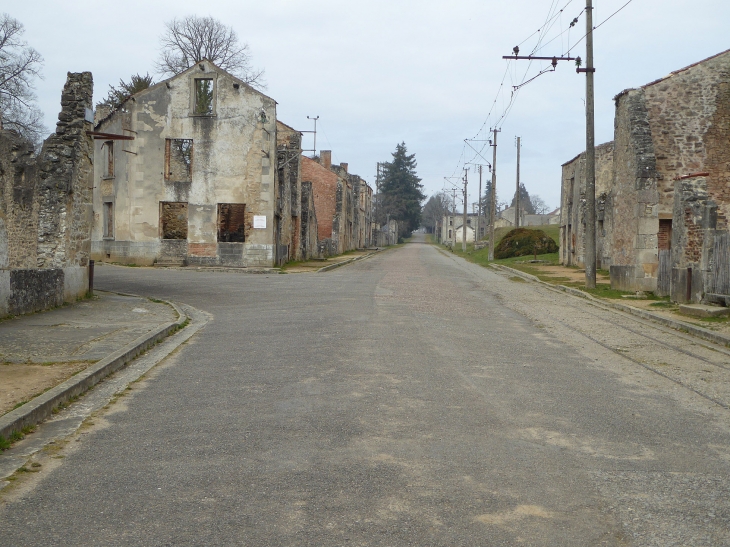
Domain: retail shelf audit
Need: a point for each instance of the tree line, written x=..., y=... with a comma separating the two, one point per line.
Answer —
x=441, y=204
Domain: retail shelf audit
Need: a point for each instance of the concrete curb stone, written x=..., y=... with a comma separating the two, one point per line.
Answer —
x=693, y=330
x=41, y=407
x=349, y=261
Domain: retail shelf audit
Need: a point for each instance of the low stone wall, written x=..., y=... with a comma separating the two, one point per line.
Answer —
x=28, y=291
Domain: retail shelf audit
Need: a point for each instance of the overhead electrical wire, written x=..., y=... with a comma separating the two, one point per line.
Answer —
x=549, y=23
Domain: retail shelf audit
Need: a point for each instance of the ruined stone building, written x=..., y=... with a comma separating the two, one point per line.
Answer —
x=572, y=207
x=185, y=173
x=295, y=213
x=343, y=203
x=45, y=208
x=662, y=187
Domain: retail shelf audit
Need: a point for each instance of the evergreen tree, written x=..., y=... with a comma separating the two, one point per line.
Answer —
x=400, y=191
x=487, y=201
x=526, y=205
x=117, y=95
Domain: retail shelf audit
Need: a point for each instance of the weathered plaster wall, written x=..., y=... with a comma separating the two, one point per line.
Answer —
x=233, y=155
x=45, y=209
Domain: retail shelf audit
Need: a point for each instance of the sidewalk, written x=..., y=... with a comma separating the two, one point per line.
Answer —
x=715, y=330
x=40, y=351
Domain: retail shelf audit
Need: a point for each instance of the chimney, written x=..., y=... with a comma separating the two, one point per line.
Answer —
x=325, y=158
x=344, y=167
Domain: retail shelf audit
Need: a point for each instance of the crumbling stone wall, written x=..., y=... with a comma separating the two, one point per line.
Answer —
x=289, y=158
x=695, y=223
x=572, y=207
x=677, y=127
x=308, y=224
x=324, y=189
x=635, y=211
x=45, y=209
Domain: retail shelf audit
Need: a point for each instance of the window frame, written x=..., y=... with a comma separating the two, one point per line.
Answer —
x=194, y=95
x=108, y=220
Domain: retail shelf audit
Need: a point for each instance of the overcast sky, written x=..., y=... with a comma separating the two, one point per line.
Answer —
x=419, y=71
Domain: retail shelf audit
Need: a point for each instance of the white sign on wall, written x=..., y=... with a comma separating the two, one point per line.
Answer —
x=259, y=221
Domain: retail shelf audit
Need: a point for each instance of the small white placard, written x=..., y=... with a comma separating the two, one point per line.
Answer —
x=259, y=221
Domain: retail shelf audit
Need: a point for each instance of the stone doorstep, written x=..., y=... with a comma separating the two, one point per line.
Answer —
x=702, y=310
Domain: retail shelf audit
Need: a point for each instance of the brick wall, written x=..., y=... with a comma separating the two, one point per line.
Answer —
x=324, y=193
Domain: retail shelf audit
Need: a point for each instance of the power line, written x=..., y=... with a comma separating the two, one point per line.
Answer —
x=551, y=19
x=599, y=25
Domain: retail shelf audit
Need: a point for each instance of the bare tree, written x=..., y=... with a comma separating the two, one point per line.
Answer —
x=435, y=210
x=539, y=205
x=20, y=64
x=191, y=39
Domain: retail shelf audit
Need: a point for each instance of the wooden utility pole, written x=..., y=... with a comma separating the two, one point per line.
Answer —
x=478, y=233
x=493, y=204
x=517, y=192
x=463, y=226
x=453, y=213
x=590, y=230
x=590, y=233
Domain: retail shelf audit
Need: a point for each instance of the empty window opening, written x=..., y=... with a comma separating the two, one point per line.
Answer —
x=204, y=96
x=179, y=160
x=108, y=219
x=174, y=219
x=109, y=145
x=665, y=234
x=232, y=222
x=449, y=234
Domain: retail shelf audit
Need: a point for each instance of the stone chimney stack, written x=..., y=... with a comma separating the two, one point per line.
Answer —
x=325, y=158
x=344, y=167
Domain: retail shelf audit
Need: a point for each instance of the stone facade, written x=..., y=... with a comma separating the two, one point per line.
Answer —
x=185, y=173
x=45, y=209
x=669, y=134
x=289, y=191
x=572, y=207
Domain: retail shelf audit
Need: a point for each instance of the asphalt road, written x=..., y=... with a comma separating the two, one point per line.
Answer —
x=408, y=399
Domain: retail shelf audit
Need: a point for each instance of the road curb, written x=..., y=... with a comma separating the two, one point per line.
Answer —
x=687, y=328
x=41, y=408
x=349, y=261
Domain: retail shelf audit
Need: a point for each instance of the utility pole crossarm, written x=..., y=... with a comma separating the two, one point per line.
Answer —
x=536, y=58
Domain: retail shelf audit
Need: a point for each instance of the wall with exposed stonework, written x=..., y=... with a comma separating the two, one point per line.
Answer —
x=288, y=193
x=308, y=224
x=634, y=246
x=45, y=209
x=572, y=207
x=676, y=128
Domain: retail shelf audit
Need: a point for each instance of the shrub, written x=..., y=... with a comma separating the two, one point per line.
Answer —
x=523, y=242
